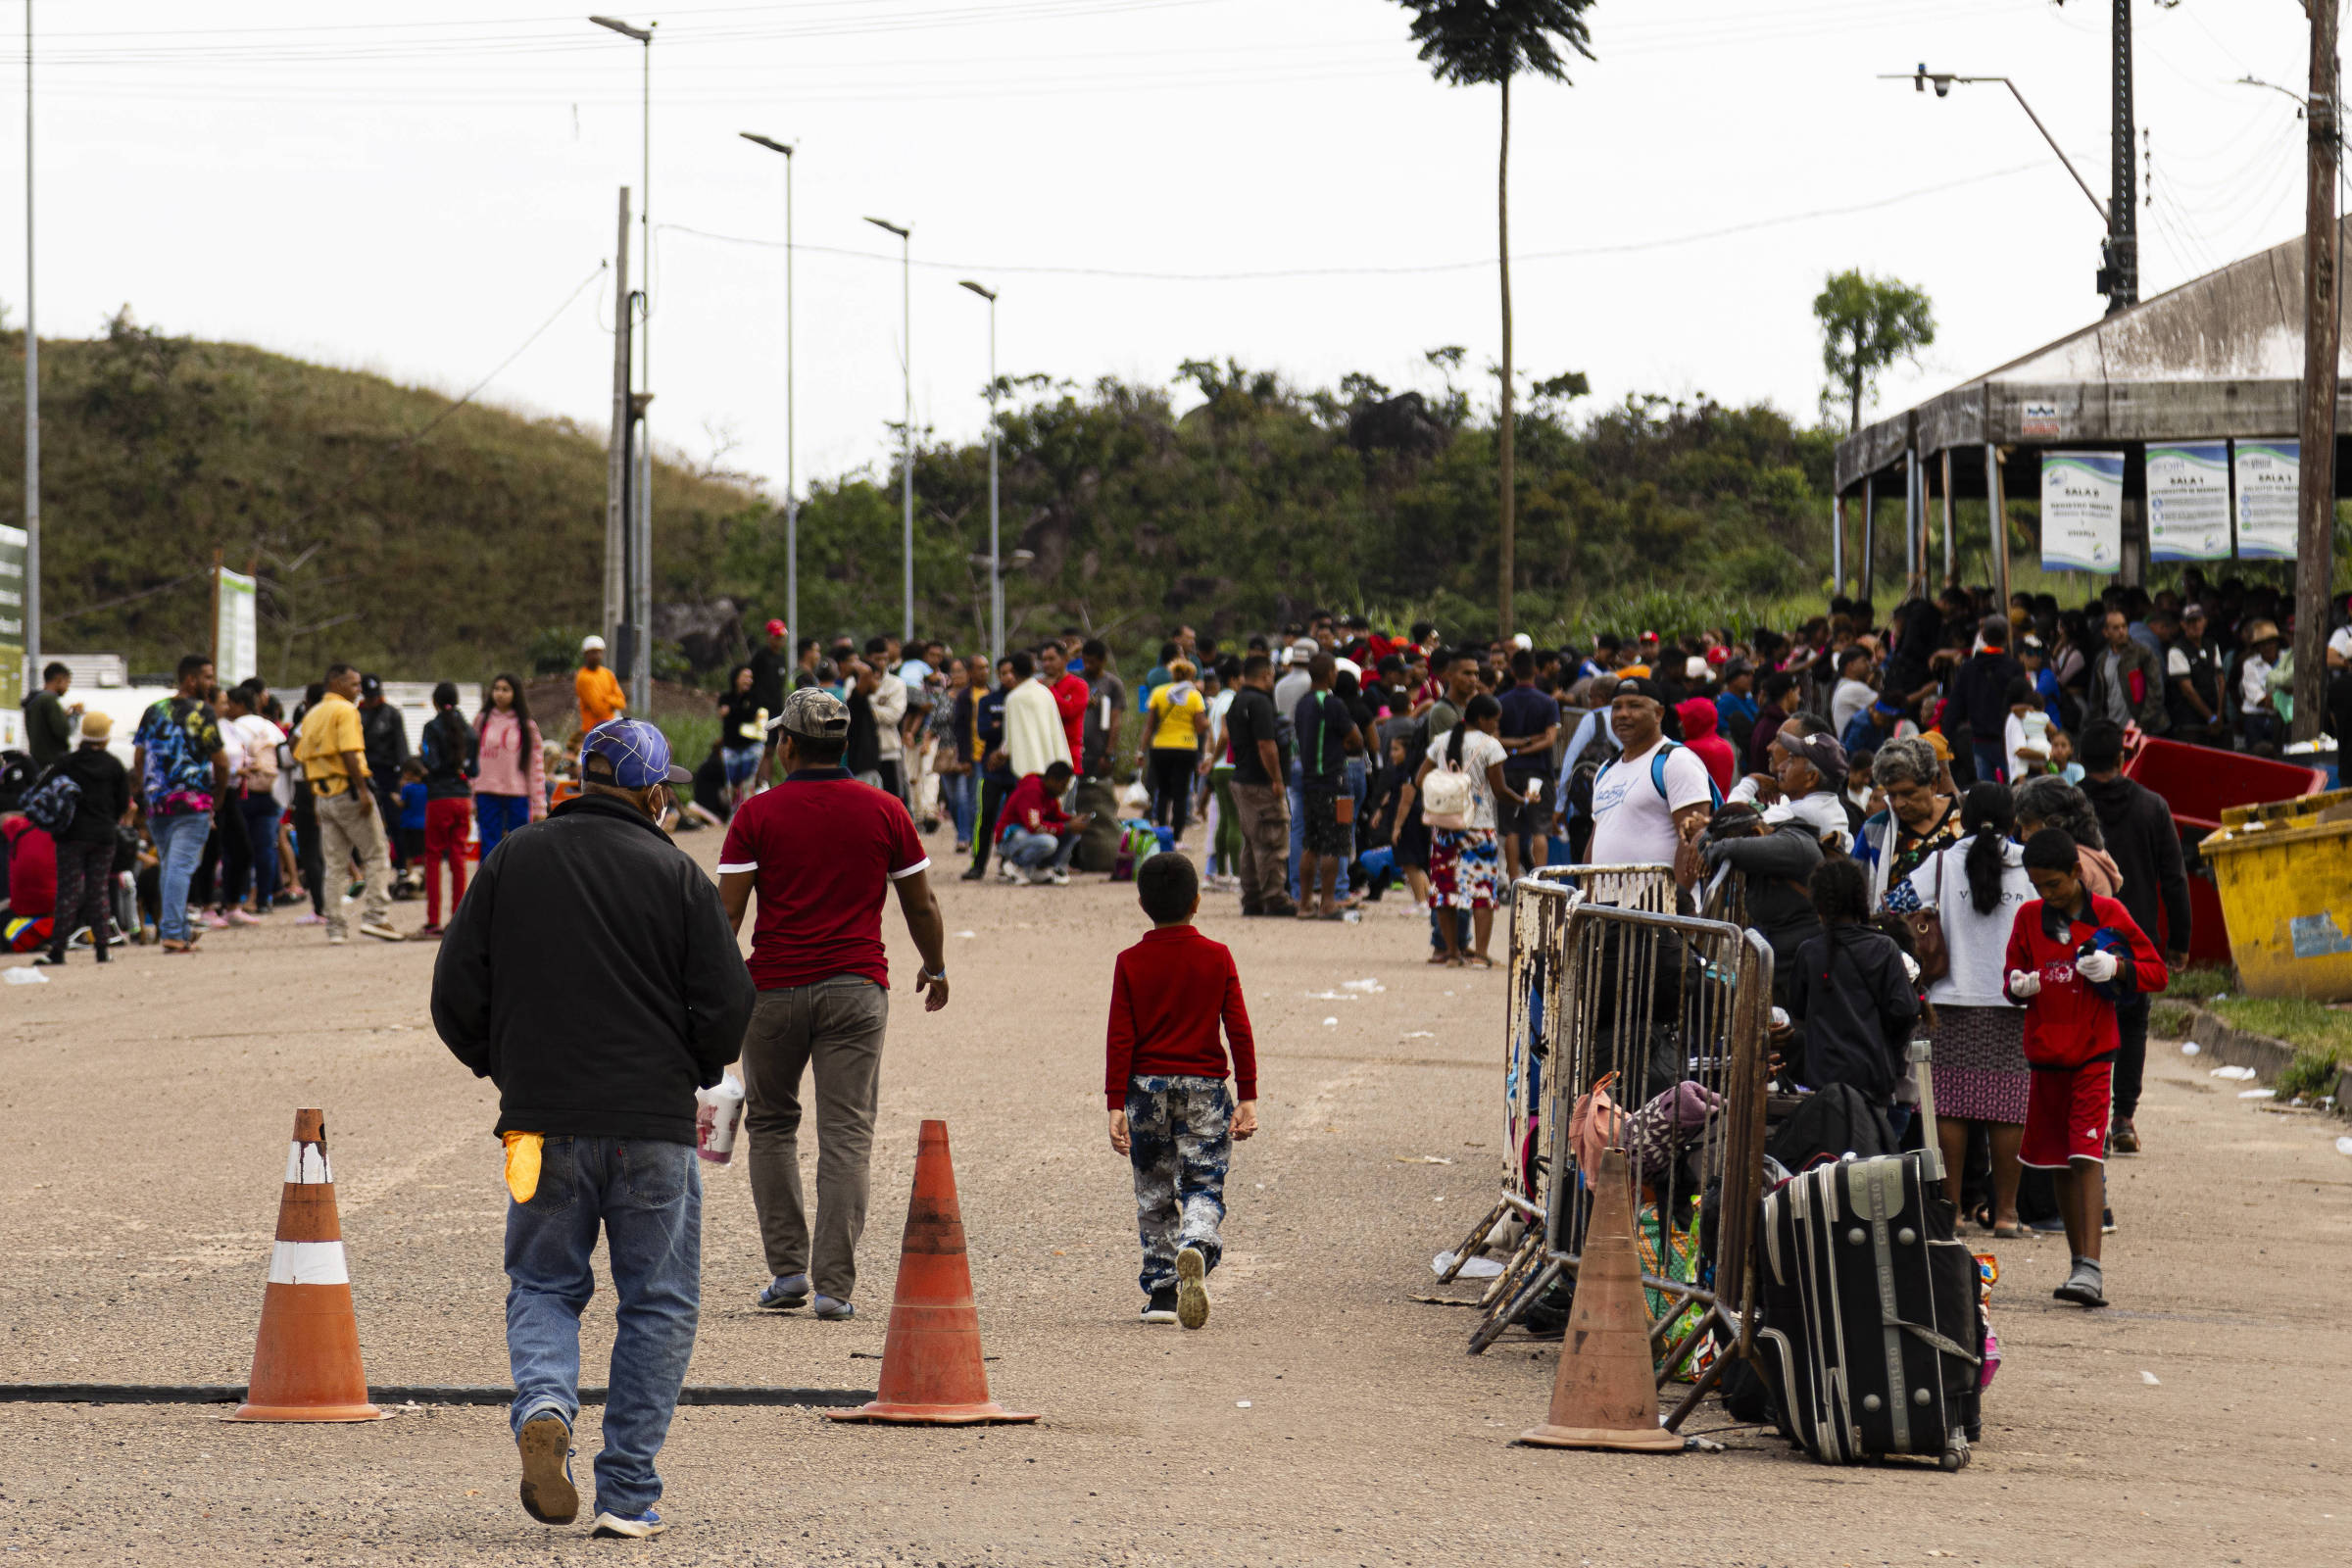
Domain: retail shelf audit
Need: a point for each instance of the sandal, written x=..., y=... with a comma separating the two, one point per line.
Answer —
x=1435, y=958
x=2013, y=1232
x=1479, y=960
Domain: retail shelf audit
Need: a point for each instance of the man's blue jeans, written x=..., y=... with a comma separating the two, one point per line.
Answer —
x=1993, y=762
x=178, y=845
x=647, y=1196
x=1297, y=823
x=1037, y=851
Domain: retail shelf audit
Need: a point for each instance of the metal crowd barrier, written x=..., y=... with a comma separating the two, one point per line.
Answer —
x=1658, y=1000
x=1538, y=907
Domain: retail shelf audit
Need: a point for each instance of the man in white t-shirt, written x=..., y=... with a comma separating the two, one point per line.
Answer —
x=1645, y=815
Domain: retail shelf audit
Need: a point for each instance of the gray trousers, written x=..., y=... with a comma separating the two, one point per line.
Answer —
x=834, y=1026
x=348, y=827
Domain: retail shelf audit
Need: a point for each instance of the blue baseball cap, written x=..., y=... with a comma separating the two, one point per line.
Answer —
x=639, y=753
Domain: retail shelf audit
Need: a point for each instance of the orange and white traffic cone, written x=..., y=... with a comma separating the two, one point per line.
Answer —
x=931, y=1366
x=1606, y=1392
x=306, y=1363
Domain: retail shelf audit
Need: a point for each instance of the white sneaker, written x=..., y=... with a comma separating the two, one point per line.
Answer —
x=336, y=939
x=1058, y=877
x=1007, y=871
x=381, y=932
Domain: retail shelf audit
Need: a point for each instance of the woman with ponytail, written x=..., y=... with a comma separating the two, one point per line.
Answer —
x=1975, y=888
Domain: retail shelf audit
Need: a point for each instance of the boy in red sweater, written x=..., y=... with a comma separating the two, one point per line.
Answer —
x=2072, y=957
x=1164, y=1076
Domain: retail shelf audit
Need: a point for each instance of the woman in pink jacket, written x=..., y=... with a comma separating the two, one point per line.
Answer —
x=512, y=787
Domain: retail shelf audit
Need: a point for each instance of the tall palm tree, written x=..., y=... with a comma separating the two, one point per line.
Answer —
x=1473, y=43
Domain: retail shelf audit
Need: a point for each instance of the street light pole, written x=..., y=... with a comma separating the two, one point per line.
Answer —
x=996, y=555
x=2119, y=280
x=906, y=365
x=639, y=596
x=792, y=494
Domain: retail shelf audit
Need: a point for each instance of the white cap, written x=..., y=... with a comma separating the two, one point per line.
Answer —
x=1522, y=640
x=1694, y=669
x=592, y=640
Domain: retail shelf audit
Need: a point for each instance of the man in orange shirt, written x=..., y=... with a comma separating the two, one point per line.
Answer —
x=598, y=692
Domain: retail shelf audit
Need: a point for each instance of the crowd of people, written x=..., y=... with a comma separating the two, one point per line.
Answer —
x=233, y=811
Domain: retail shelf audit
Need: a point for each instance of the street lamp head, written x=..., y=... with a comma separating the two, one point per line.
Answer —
x=769, y=143
x=884, y=223
x=641, y=34
x=988, y=294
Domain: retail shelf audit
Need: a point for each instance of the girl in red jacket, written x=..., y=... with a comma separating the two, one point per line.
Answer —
x=2072, y=957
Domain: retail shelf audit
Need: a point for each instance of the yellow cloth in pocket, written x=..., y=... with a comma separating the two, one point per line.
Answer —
x=523, y=1165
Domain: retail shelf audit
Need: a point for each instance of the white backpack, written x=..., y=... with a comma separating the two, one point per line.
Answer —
x=1447, y=798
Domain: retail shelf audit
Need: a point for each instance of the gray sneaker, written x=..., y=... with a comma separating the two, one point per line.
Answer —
x=785, y=1291
x=832, y=1310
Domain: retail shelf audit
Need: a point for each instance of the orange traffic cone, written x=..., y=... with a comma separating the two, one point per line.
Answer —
x=305, y=1364
x=1605, y=1395
x=931, y=1370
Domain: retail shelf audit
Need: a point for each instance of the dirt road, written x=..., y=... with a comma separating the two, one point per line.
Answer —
x=1323, y=1417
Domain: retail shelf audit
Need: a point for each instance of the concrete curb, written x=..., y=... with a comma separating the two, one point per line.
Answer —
x=2232, y=1047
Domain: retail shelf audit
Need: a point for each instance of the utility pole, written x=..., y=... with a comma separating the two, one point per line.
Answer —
x=2119, y=280
x=616, y=462
x=2315, y=482
x=33, y=403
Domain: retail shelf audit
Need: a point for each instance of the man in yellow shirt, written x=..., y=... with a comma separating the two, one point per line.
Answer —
x=598, y=690
x=332, y=749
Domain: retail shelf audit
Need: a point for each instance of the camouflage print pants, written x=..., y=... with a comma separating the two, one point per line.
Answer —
x=1180, y=1137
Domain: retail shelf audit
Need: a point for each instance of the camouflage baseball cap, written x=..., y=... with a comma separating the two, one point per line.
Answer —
x=813, y=713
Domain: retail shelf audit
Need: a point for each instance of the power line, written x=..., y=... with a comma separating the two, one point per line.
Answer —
x=1280, y=274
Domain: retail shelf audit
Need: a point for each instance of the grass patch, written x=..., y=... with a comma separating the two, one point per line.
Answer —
x=2305, y=1024
x=2197, y=984
x=2170, y=1019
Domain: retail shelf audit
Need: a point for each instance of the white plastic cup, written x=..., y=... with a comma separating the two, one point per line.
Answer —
x=718, y=1114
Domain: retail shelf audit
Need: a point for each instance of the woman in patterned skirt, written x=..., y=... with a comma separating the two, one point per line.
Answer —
x=1980, y=1063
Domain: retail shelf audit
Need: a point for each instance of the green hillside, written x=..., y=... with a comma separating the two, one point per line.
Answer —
x=419, y=558
x=422, y=543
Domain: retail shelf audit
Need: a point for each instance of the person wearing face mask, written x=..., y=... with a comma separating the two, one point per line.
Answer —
x=593, y=975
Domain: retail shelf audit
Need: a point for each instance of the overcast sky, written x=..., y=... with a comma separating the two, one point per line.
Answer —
x=417, y=189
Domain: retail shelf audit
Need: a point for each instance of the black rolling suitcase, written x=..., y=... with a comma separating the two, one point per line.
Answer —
x=1870, y=1333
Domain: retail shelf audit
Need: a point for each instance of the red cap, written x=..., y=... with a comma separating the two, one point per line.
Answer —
x=775, y=628
x=1649, y=636
x=1719, y=654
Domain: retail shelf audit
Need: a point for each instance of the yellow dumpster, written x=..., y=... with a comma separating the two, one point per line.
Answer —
x=2284, y=872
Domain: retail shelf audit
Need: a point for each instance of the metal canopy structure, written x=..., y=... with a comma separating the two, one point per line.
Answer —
x=2220, y=356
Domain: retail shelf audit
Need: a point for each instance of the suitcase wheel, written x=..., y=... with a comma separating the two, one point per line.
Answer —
x=1955, y=1454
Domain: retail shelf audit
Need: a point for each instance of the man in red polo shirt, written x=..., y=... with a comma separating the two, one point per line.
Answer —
x=819, y=848
x=1070, y=693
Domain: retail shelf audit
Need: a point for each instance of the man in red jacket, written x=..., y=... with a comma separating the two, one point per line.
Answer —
x=1164, y=1075
x=2072, y=957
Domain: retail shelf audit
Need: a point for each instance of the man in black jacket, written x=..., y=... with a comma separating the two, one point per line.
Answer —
x=2146, y=846
x=591, y=974
x=1981, y=700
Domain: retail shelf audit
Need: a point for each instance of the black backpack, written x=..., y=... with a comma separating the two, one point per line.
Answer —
x=1585, y=767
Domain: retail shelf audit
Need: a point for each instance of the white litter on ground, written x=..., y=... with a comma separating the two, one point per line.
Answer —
x=27, y=977
x=2190, y=1048
x=1241, y=1405
x=968, y=933
x=1477, y=1269
x=2242, y=1074
x=1367, y=986
x=2256, y=1094
x=1331, y=1023
x=1419, y=1034
x=2150, y=1378
x=2343, y=1145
